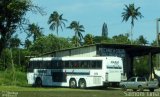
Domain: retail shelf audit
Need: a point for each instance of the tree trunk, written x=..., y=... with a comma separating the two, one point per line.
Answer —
x=1, y=47
x=76, y=39
x=2, y=44
x=131, y=34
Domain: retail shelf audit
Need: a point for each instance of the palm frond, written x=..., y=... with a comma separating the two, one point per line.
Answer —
x=56, y=21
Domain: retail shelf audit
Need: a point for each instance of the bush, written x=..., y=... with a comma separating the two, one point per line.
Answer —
x=141, y=66
x=9, y=77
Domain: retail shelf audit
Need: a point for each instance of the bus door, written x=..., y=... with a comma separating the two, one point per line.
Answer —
x=58, y=76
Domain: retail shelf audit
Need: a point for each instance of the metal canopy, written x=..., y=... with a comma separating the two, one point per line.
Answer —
x=133, y=50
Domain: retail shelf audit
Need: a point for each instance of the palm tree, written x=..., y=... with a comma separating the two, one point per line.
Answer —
x=75, y=41
x=77, y=29
x=55, y=21
x=133, y=13
x=34, y=30
x=141, y=40
x=88, y=39
x=15, y=42
x=28, y=43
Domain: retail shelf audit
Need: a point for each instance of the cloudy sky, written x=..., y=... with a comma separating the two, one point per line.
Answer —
x=93, y=13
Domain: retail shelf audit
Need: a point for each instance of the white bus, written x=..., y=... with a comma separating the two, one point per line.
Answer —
x=74, y=72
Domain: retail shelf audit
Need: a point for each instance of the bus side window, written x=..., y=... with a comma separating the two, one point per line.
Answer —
x=43, y=64
x=93, y=64
x=47, y=64
x=71, y=64
x=79, y=64
x=75, y=64
x=96, y=64
x=85, y=64
x=40, y=65
x=35, y=64
x=82, y=64
x=56, y=64
x=60, y=64
x=99, y=64
x=52, y=64
x=66, y=64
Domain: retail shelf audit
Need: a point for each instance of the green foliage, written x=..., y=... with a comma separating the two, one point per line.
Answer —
x=117, y=39
x=12, y=14
x=121, y=39
x=141, y=40
x=48, y=44
x=6, y=78
x=78, y=29
x=75, y=41
x=141, y=66
x=35, y=31
x=15, y=42
x=19, y=58
x=154, y=43
x=101, y=39
x=27, y=43
x=88, y=39
x=5, y=59
x=104, y=30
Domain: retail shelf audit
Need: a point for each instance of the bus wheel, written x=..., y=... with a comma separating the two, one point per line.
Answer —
x=82, y=83
x=72, y=83
x=38, y=82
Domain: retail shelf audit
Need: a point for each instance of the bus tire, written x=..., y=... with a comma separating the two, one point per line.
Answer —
x=72, y=83
x=38, y=82
x=82, y=83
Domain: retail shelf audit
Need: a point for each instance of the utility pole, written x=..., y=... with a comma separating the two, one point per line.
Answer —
x=158, y=38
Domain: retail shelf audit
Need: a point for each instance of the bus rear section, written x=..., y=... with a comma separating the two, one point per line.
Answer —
x=114, y=71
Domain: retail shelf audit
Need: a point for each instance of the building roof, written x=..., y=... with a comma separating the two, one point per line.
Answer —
x=133, y=50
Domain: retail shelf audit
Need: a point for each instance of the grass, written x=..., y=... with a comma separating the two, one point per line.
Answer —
x=19, y=88
x=67, y=92
x=61, y=92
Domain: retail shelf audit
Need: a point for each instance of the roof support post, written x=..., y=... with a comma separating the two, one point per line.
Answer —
x=129, y=63
x=131, y=67
x=150, y=65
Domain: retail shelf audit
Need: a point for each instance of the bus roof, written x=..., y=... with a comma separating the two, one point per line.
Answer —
x=73, y=58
